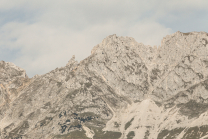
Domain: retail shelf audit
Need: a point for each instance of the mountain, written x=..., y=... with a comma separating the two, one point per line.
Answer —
x=123, y=90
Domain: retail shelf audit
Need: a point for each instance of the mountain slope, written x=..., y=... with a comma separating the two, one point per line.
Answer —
x=124, y=89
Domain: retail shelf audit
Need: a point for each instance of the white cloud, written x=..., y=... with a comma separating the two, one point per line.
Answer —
x=52, y=31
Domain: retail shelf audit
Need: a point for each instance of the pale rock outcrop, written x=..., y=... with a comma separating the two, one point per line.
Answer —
x=123, y=90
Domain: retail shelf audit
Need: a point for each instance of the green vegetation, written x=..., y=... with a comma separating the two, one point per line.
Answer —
x=196, y=132
x=99, y=134
x=147, y=133
x=128, y=123
x=193, y=109
x=131, y=135
x=73, y=135
x=170, y=134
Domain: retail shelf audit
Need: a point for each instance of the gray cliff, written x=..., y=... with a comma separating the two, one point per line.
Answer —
x=123, y=90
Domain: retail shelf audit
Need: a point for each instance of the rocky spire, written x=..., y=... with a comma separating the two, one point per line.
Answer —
x=72, y=61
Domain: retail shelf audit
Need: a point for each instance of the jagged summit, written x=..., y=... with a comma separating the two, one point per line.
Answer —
x=72, y=61
x=113, y=40
x=123, y=90
x=9, y=71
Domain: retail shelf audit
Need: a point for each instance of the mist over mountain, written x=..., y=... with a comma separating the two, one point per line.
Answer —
x=123, y=90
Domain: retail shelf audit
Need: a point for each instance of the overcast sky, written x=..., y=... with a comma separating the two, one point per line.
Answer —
x=40, y=35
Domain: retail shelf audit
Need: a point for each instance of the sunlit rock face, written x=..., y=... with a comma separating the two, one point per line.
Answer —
x=123, y=90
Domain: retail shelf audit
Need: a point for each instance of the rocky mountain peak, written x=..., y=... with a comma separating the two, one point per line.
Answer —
x=123, y=90
x=9, y=72
x=72, y=61
x=111, y=41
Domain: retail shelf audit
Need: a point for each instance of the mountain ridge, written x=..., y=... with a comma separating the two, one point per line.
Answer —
x=124, y=89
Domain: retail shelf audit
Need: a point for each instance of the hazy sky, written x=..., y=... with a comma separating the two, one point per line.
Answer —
x=40, y=35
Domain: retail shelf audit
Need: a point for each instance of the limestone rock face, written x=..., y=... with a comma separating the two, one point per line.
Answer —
x=12, y=81
x=9, y=72
x=123, y=90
